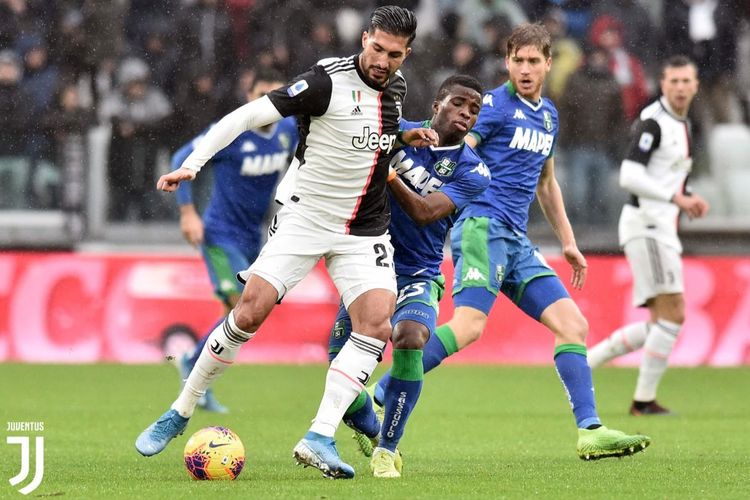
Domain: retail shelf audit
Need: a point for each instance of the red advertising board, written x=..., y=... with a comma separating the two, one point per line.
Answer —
x=89, y=307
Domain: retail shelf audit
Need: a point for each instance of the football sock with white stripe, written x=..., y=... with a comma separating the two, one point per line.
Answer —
x=441, y=344
x=401, y=395
x=219, y=352
x=627, y=339
x=661, y=339
x=346, y=378
x=202, y=342
x=575, y=374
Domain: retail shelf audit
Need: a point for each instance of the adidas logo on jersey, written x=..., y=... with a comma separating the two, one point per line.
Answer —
x=519, y=115
x=356, y=111
x=473, y=274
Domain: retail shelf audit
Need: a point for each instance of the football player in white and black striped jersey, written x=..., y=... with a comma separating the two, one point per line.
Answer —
x=335, y=207
x=655, y=173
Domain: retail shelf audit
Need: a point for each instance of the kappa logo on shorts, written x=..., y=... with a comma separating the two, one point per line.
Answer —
x=473, y=274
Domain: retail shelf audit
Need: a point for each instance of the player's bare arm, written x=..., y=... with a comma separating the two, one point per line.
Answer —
x=254, y=114
x=191, y=224
x=423, y=210
x=550, y=199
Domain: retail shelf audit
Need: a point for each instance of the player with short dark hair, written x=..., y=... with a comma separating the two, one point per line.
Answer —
x=231, y=232
x=429, y=188
x=515, y=136
x=655, y=173
x=335, y=207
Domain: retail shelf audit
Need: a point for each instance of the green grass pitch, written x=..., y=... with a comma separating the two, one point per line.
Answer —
x=478, y=432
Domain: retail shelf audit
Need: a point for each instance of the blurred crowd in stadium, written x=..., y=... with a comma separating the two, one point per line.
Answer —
x=155, y=73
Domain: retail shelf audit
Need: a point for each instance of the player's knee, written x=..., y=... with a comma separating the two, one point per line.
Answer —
x=410, y=335
x=468, y=328
x=247, y=316
x=377, y=326
x=573, y=330
x=671, y=308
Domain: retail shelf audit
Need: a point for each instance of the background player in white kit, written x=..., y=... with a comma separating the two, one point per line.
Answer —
x=655, y=173
x=348, y=111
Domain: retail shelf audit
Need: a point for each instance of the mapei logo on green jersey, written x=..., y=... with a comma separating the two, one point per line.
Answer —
x=445, y=167
x=532, y=140
x=547, y=121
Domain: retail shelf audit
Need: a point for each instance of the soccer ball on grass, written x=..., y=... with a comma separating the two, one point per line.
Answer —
x=214, y=453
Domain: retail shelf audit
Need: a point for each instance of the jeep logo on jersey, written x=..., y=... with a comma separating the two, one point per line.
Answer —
x=445, y=167
x=532, y=140
x=547, y=121
x=374, y=141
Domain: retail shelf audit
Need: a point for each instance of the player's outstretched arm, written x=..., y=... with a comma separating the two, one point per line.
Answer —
x=254, y=114
x=551, y=200
x=422, y=210
x=171, y=181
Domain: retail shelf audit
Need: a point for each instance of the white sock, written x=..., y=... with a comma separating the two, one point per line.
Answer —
x=661, y=339
x=219, y=352
x=346, y=378
x=627, y=339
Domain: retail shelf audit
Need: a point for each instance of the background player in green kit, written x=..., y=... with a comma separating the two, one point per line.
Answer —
x=515, y=135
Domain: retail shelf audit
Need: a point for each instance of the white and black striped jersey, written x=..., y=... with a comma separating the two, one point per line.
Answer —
x=662, y=144
x=348, y=129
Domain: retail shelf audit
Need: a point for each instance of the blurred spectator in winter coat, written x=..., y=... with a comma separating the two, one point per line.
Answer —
x=14, y=121
x=68, y=123
x=639, y=34
x=706, y=31
x=198, y=101
x=606, y=32
x=204, y=34
x=591, y=131
x=138, y=112
x=39, y=81
x=566, y=53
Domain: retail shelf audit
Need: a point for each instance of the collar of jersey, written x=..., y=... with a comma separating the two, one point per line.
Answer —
x=364, y=78
x=512, y=91
x=266, y=135
x=428, y=124
x=669, y=110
